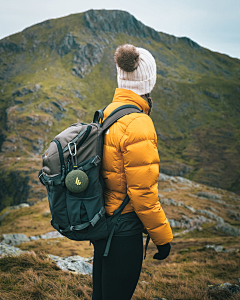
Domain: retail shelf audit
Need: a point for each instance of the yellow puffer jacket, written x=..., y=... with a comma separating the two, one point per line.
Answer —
x=131, y=165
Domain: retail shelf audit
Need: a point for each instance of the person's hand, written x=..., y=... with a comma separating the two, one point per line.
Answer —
x=163, y=251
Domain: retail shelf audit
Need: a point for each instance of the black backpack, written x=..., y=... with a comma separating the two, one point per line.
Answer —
x=71, y=175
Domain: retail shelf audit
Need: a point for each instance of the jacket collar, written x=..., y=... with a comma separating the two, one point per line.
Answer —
x=129, y=97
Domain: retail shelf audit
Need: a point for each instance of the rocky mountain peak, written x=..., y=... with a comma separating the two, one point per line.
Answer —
x=117, y=21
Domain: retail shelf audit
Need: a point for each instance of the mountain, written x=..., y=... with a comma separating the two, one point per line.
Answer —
x=60, y=71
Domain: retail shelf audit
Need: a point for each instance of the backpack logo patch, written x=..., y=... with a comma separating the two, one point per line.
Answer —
x=78, y=182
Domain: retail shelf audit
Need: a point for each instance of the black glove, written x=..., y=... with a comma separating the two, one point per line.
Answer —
x=163, y=251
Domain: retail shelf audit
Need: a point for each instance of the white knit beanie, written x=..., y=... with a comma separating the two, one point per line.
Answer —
x=136, y=69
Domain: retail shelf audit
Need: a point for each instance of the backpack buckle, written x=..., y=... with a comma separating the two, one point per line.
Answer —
x=72, y=228
x=41, y=178
x=96, y=160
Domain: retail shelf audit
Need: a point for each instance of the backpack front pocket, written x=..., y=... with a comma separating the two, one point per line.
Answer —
x=86, y=210
x=57, y=205
x=76, y=209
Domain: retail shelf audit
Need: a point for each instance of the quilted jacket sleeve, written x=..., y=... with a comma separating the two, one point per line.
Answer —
x=141, y=165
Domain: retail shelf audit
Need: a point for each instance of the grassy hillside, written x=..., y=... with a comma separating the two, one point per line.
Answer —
x=60, y=71
x=181, y=276
x=193, y=265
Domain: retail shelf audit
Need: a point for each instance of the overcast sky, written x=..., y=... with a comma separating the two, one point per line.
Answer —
x=214, y=24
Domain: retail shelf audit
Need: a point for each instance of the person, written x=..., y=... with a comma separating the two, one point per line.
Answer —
x=130, y=166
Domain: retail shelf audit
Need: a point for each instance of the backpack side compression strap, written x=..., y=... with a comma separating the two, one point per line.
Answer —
x=79, y=227
x=114, y=220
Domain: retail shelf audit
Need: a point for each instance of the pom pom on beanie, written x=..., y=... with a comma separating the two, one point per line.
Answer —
x=136, y=69
x=127, y=57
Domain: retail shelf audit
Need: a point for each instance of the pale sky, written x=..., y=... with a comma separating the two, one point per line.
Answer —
x=213, y=24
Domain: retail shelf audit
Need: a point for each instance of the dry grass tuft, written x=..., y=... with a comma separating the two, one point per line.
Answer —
x=35, y=277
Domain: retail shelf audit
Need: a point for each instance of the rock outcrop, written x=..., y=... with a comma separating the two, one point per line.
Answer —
x=85, y=58
x=118, y=22
x=73, y=264
x=199, y=216
x=224, y=287
x=6, y=249
x=14, y=239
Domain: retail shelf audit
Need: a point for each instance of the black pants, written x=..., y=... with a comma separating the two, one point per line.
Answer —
x=116, y=276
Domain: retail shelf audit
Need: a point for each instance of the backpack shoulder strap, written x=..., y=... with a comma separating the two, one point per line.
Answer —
x=119, y=113
x=98, y=116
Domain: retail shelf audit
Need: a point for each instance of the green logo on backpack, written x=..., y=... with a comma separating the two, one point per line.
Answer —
x=77, y=182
